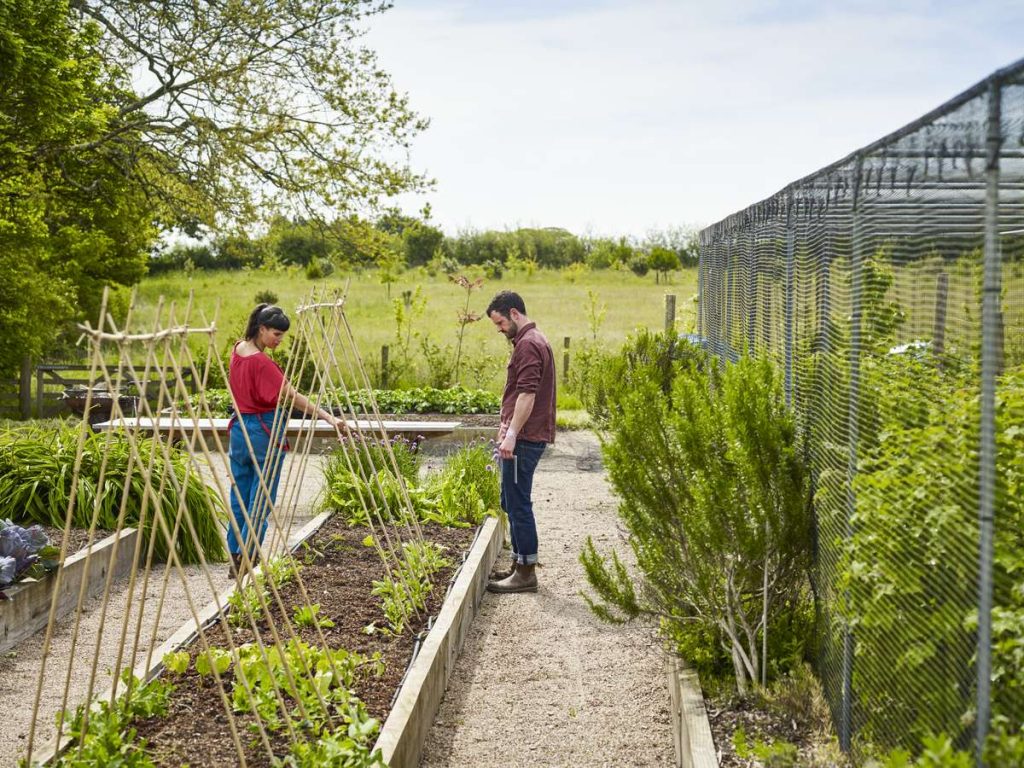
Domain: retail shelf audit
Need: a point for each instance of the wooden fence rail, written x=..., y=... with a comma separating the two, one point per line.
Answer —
x=38, y=391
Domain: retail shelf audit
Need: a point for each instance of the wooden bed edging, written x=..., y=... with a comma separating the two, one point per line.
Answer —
x=405, y=731
x=27, y=607
x=691, y=731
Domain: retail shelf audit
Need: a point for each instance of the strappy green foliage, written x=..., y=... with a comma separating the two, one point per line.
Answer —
x=36, y=470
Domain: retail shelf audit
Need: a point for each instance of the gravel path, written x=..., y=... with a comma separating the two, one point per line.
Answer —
x=542, y=682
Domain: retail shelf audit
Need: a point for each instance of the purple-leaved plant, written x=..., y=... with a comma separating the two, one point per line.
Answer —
x=23, y=552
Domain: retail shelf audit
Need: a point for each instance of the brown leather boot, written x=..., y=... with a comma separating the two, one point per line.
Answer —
x=522, y=580
x=235, y=566
x=499, y=575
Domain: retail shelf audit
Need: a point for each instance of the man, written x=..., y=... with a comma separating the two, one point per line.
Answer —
x=527, y=426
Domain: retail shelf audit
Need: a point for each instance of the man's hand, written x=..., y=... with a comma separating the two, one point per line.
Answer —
x=507, y=445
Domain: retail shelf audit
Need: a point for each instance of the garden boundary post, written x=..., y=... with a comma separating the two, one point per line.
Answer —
x=670, y=311
x=751, y=292
x=941, y=305
x=991, y=337
x=25, y=388
x=565, y=360
x=384, y=366
x=853, y=420
x=700, y=293
x=790, y=248
x=729, y=271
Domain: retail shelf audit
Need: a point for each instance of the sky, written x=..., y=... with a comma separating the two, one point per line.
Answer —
x=622, y=118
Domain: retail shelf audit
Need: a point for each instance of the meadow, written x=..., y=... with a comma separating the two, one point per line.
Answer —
x=598, y=307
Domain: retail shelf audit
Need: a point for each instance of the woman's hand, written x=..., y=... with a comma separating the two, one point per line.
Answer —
x=339, y=424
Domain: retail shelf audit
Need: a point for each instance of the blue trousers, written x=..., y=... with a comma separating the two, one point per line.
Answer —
x=517, y=501
x=251, y=505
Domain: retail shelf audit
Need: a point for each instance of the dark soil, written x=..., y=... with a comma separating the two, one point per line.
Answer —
x=196, y=730
x=759, y=721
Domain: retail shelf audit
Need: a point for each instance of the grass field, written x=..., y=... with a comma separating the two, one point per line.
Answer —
x=558, y=301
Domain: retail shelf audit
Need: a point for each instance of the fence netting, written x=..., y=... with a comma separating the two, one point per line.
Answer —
x=868, y=281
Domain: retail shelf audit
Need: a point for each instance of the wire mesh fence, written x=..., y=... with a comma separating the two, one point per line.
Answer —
x=890, y=287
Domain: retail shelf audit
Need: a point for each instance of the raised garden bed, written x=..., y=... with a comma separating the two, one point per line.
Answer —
x=338, y=572
x=26, y=609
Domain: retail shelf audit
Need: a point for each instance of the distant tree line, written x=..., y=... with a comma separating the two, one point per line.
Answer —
x=398, y=241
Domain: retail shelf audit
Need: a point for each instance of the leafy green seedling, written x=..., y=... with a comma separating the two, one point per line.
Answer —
x=309, y=616
x=176, y=662
x=214, y=659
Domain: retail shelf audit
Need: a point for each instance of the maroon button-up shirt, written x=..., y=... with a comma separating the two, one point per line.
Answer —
x=531, y=369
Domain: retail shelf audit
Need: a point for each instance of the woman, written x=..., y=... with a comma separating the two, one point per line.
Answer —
x=259, y=388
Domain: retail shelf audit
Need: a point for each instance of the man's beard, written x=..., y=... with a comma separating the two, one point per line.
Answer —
x=513, y=329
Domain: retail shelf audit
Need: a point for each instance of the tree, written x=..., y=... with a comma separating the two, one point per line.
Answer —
x=297, y=242
x=662, y=261
x=70, y=222
x=250, y=107
x=684, y=242
x=421, y=241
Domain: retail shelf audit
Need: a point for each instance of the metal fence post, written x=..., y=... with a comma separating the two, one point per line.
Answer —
x=939, y=328
x=751, y=297
x=565, y=360
x=701, y=263
x=991, y=338
x=727, y=275
x=853, y=433
x=384, y=366
x=790, y=309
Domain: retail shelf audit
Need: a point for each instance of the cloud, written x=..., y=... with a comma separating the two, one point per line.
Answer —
x=619, y=117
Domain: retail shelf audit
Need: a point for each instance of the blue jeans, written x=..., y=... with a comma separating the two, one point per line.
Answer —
x=516, y=491
x=250, y=504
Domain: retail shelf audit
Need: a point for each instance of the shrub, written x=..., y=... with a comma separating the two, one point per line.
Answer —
x=638, y=266
x=600, y=380
x=493, y=269
x=315, y=270
x=908, y=568
x=716, y=501
x=265, y=297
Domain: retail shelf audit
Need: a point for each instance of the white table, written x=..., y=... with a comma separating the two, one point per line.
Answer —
x=182, y=428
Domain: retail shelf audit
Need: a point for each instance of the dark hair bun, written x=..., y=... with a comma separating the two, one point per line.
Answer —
x=266, y=315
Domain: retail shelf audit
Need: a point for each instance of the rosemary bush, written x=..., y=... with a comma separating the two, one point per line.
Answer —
x=716, y=501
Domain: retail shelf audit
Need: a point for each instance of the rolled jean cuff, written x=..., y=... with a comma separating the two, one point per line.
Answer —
x=526, y=559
